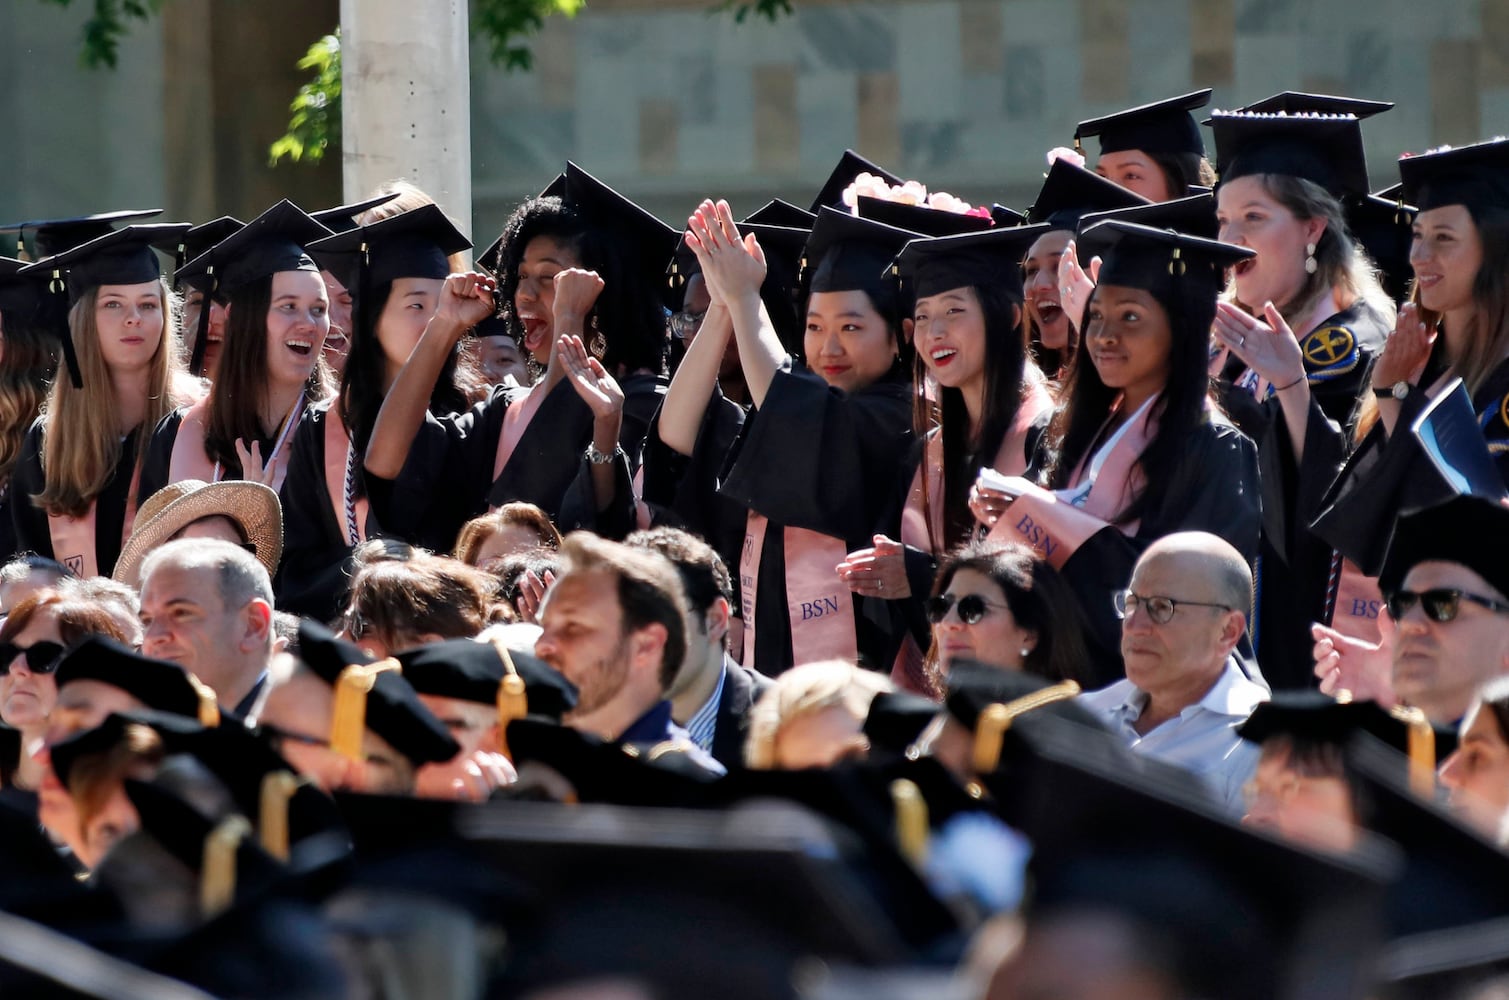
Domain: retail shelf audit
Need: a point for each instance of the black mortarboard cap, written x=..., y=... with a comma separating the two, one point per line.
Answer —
x=920, y=219
x=777, y=212
x=475, y=671
x=897, y=718
x=53, y=236
x=990, y=258
x=600, y=771
x=846, y=253
x=413, y=244
x=1384, y=227
x=850, y=166
x=343, y=217
x=1293, y=102
x=1160, y=127
x=21, y=296
x=1245, y=914
x=973, y=687
x=197, y=240
x=1476, y=176
x=1312, y=717
x=1441, y=456
x=392, y=707
x=120, y=257
x=647, y=243
x=157, y=684
x=1157, y=260
x=274, y=241
x=1005, y=217
x=783, y=255
x=1452, y=875
x=1071, y=191
x=1192, y=216
x=491, y=259
x=1325, y=149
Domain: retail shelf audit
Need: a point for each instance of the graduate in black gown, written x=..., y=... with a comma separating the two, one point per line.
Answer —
x=396, y=267
x=122, y=378
x=818, y=458
x=1293, y=349
x=1138, y=449
x=28, y=363
x=1154, y=150
x=277, y=313
x=575, y=274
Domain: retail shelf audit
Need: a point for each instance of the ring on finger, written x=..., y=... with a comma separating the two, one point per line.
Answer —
x=1242, y=340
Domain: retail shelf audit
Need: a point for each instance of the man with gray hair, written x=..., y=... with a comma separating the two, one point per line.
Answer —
x=207, y=605
x=1187, y=688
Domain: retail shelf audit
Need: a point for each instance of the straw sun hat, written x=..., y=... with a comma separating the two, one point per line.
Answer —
x=252, y=506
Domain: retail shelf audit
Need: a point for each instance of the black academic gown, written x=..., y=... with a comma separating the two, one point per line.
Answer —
x=818, y=458
x=1293, y=571
x=156, y=470
x=442, y=487
x=30, y=521
x=8, y=547
x=643, y=394
x=1215, y=489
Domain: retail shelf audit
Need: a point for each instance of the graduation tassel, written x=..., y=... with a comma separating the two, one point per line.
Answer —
x=1422, y=751
x=513, y=700
x=217, y=877
x=278, y=789
x=202, y=337
x=363, y=296
x=54, y=316
x=349, y=717
x=911, y=821
x=990, y=731
x=209, y=704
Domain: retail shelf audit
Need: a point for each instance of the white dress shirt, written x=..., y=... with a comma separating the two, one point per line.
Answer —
x=1201, y=739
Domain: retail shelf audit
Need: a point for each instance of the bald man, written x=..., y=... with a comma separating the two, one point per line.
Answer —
x=1186, y=689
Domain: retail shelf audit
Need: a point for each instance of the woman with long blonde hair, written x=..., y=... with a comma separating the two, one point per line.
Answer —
x=28, y=362
x=78, y=476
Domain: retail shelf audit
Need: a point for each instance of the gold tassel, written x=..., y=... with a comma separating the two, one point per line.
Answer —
x=513, y=699
x=209, y=704
x=349, y=717
x=1422, y=751
x=217, y=877
x=911, y=820
x=278, y=789
x=990, y=731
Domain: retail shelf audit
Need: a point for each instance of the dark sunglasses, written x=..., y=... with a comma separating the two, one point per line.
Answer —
x=1441, y=604
x=41, y=657
x=972, y=607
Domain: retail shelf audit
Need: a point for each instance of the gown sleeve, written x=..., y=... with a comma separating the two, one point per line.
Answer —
x=157, y=465
x=312, y=578
x=29, y=521
x=682, y=490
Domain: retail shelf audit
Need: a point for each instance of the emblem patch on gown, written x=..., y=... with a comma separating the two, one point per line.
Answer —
x=1495, y=427
x=1330, y=352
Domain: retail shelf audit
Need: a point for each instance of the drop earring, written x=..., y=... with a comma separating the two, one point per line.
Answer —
x=1310, y=265
x=599, y=345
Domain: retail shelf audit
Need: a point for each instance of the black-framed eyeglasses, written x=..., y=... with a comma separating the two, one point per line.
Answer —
x=41, y=657
x=1159, y=609
x=972, y=608
x=685, y=324
x=1440, y=604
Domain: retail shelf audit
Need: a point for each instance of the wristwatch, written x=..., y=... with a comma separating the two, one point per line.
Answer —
x=598, y=458
x=1398, y=390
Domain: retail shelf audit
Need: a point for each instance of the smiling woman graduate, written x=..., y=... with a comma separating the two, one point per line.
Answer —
x=123, y=376
x=276, y=318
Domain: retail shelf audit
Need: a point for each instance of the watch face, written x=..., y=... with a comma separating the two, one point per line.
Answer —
x=1401, y=389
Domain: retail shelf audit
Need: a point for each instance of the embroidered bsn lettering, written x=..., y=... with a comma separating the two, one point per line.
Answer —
x=1037, y=536
x=819, y=608
x=1366, y=609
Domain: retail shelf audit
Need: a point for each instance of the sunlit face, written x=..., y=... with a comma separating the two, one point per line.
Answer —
x=1040, y=285
x=116, y=820
x=949, y=334
x=819, y=739
x=297, y=321
x=1251, y=217
x=185, y=621
x=534, y=299
x=26, y=697
x=1446, y=253
x=130, y=322
x=1439, y=666
x=338, y=341
x=193, y=304
x=1135, y=170
x=500, y=357
x=1161, y=657
x=583, y=637
x=1477, y=774
x=995, y=639
x=1128, y=339
x=1311, y=811
x=847, y=342
x=411, y=304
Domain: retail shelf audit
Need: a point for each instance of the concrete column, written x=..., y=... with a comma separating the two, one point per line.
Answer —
x=406, y=98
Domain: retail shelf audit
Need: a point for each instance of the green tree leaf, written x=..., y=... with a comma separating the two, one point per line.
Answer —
x=106, y=26
x=314, y=122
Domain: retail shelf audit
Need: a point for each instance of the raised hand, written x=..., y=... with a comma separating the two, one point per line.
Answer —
x=1268, y=348
x=1363, y=669
x=532, y=594
x=576, y=292
x=251, y=464
x=1406, y=352
x=589, y=378
x=1074, y=285
x=877, y=572
x=465, y=300
x=733, y=267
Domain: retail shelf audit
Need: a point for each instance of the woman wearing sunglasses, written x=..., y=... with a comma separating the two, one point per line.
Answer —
x=32, y=640
x=1001, y=605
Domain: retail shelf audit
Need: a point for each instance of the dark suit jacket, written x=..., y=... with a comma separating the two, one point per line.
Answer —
x=741, y=686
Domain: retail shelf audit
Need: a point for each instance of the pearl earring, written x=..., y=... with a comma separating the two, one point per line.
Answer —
x=1025, y=651
x=1310, y=264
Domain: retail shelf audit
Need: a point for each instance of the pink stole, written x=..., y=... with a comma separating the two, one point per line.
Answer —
x=1105, y=483
x=338, y=463
x=73, y=537
x=818, y=604
x=1358, y=603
